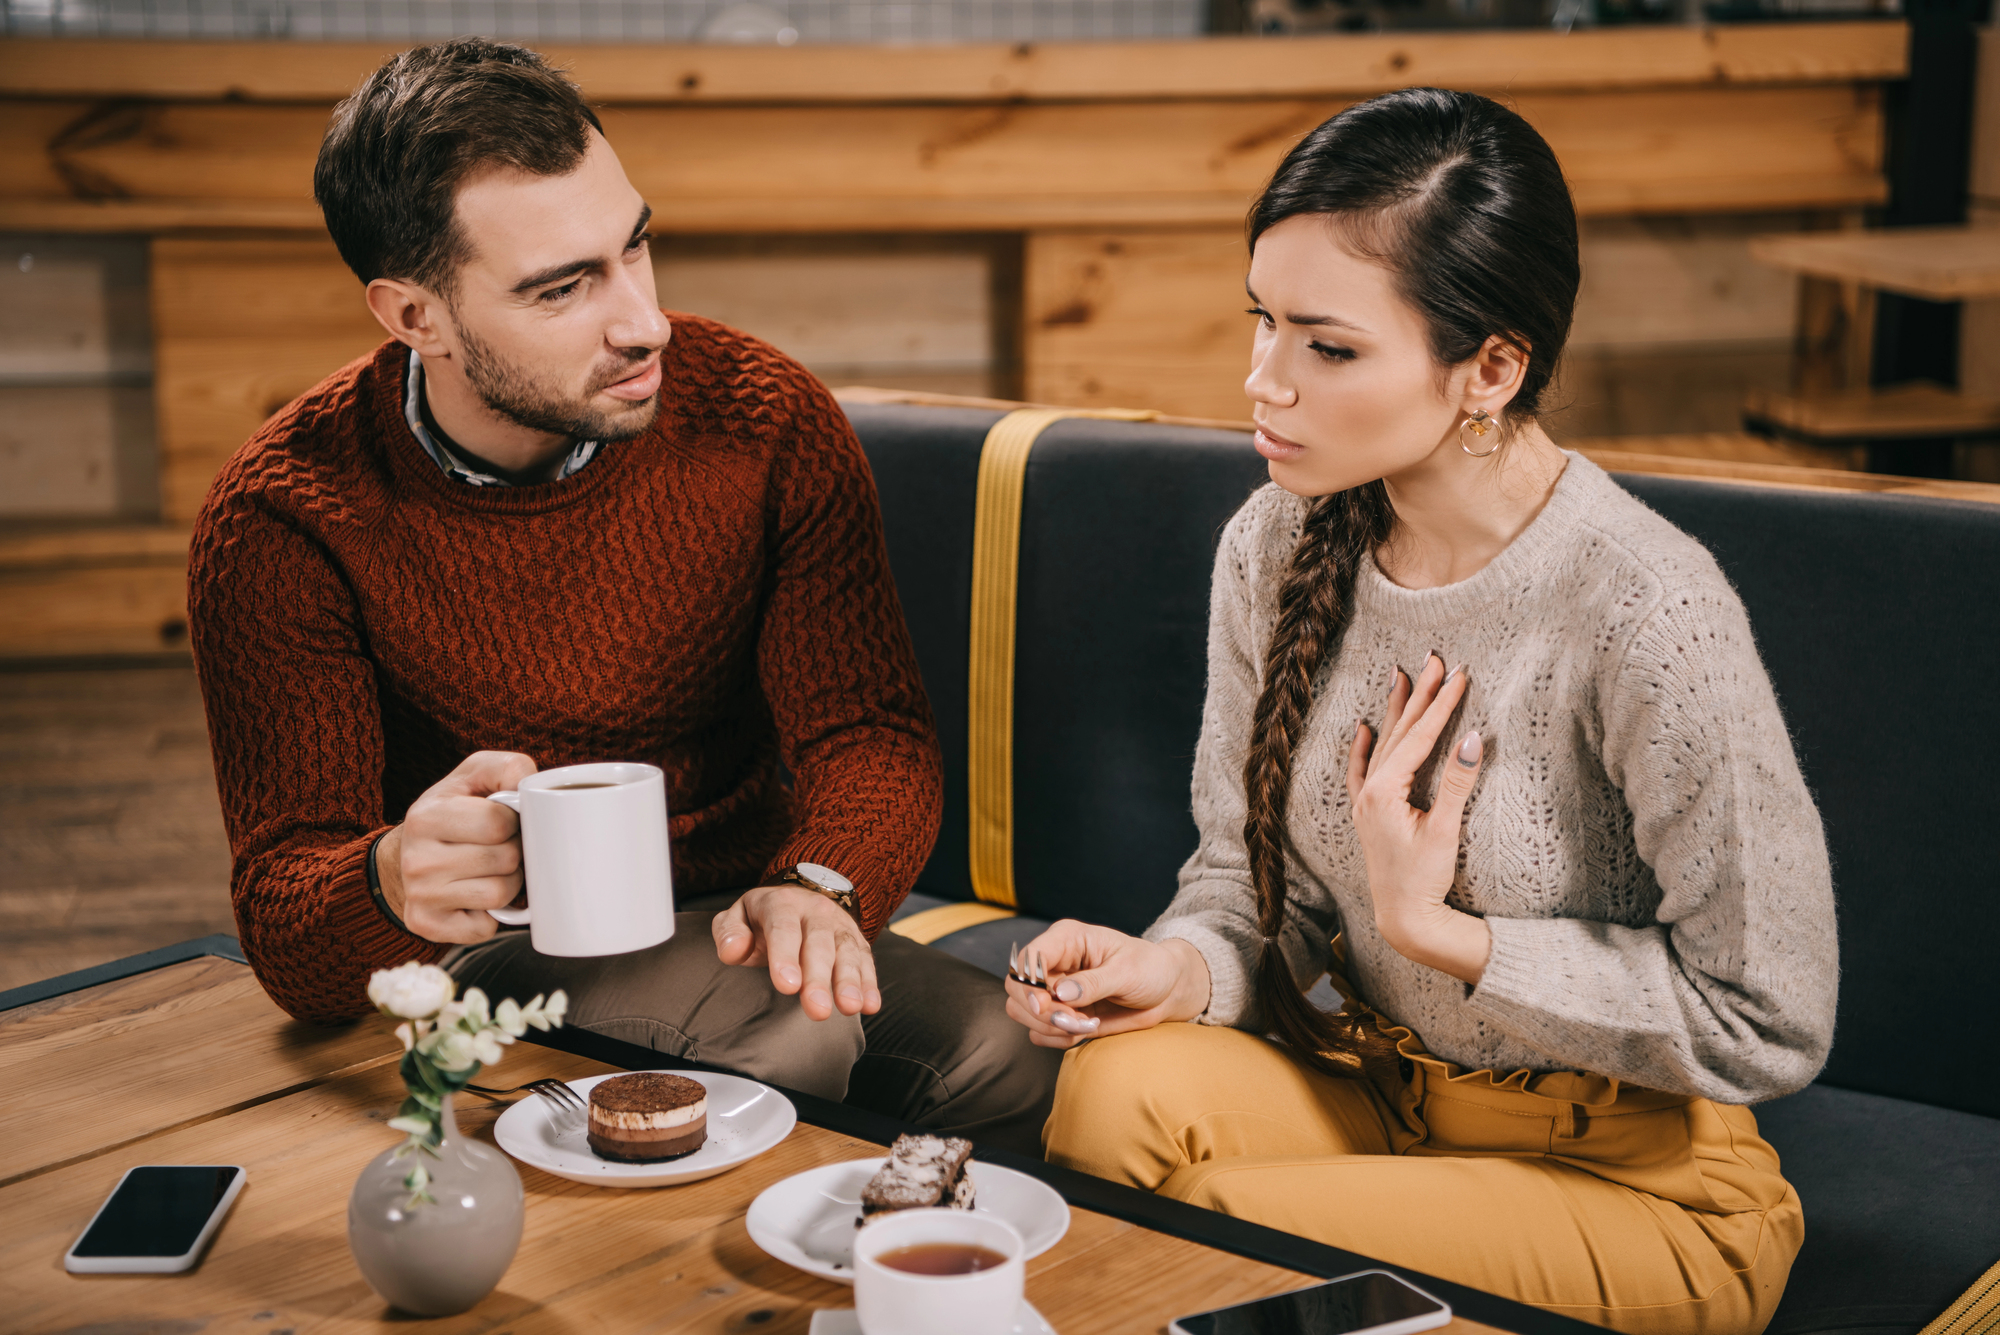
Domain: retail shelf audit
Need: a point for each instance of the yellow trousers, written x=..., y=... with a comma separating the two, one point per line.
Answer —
x=1633, y=1209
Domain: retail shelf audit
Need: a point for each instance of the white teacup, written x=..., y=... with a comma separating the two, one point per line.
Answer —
x=888, y=1301
x=594, y=850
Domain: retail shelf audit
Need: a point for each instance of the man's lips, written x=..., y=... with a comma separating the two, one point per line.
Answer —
x=639, y=386
x=1275, y=447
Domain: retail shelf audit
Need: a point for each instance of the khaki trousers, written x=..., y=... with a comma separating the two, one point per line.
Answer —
x=1629, y=1208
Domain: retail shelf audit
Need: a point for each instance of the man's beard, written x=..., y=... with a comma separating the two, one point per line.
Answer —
x=515, y=395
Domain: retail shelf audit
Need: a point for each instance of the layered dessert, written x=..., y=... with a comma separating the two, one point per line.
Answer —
x=647, y=1117
x=922, y=1171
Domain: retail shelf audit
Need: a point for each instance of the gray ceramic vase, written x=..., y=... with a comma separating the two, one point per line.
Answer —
x=436, y=1258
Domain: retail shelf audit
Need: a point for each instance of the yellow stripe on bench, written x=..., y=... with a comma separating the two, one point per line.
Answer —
x=940, y=922
x=1977, y=1311
x=996, y=572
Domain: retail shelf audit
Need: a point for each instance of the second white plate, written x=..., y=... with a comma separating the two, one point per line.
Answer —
x=808, y=1219
x=744, y=1119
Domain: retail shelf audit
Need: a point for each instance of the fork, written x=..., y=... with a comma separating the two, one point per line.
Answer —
x=555, y=1091
x=1025, y=971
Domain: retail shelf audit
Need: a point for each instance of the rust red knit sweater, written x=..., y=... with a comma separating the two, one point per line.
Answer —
x=713, y=597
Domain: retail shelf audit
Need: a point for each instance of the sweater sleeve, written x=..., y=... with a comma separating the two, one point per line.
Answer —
x=1215, y=909
x=297, y=734
x=836, y=664
x=1729, y=993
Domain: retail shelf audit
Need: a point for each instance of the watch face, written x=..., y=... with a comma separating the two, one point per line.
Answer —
x=825, y=876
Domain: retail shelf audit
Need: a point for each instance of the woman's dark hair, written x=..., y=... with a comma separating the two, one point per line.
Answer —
x=1466, y=206
x=396, y=152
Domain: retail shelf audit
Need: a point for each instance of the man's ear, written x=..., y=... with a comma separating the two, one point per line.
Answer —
x=1497, y=371
x=413, y=315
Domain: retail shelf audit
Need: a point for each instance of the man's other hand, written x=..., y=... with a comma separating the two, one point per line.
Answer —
x=456, y=854
x=810, y=944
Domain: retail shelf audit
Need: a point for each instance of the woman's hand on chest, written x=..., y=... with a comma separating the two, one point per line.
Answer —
x=1412, y=855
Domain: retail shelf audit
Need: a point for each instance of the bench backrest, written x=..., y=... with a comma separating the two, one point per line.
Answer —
x=1878, y=617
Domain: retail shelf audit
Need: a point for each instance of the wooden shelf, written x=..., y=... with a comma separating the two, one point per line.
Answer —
x=1935, y=263
x=1914, y=412
x=1216, y=67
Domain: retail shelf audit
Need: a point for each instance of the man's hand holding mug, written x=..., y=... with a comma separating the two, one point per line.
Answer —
x=452, y=867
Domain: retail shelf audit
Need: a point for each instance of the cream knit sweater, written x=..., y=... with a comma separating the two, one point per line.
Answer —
x=1640, y=840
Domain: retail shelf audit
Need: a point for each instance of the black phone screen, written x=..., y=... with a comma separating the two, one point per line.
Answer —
x=1351, y=1304
x=157, y=1211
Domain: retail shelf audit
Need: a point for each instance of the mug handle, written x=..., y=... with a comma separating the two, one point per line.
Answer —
x=512, y=917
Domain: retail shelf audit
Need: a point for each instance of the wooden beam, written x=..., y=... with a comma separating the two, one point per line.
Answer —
x=904, y=168
x=1934, y=263
x=1220, y=67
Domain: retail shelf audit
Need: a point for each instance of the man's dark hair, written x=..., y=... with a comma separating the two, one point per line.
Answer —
x=397, y=151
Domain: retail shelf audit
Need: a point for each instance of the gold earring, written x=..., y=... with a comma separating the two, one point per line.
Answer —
x=1479, y=424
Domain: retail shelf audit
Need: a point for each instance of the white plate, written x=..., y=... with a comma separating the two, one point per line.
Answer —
x=808, y=1219
x=744, y=1119
x=842, y=1321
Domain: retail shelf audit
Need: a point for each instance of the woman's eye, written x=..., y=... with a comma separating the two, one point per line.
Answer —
x=1263, y=317
x=1332, y=351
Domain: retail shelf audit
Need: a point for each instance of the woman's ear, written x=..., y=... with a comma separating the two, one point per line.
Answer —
x=1497, y=370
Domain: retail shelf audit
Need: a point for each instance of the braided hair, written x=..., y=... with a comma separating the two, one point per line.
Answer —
x=1466, y=206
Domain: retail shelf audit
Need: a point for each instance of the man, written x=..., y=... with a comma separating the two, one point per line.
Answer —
x=544, y=525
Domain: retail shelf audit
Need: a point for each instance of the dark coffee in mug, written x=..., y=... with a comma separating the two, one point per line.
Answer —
x=572, y=787
x=941, y=1258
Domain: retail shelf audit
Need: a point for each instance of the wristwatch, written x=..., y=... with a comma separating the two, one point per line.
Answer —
x=821, y=881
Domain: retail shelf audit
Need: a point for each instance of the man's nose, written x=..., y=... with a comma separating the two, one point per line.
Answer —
x=638, y=323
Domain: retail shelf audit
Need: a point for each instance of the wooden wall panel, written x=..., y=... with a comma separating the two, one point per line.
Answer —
x=1138, y=320
x=774, y=168
x=1009, y=71
x=242, y=328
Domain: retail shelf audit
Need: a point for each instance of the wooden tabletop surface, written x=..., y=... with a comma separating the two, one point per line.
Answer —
x=1936, y=263
x=193, y=1064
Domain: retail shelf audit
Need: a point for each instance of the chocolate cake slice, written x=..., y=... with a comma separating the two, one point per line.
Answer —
x=647, y=1117
x=922, y=1171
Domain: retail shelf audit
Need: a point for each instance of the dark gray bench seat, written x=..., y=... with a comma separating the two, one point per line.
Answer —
x=1878, y=617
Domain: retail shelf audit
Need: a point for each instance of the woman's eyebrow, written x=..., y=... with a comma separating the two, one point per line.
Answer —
x=1312, y=321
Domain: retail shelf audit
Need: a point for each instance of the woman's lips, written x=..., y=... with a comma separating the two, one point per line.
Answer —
x=640, y=387
x=1276, y=448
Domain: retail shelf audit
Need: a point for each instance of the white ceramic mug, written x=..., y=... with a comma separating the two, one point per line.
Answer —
x=594, y=850
x=888, y=1301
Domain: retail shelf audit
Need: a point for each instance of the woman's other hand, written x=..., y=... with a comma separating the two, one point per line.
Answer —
x=1412, y=855
x=1102, y=981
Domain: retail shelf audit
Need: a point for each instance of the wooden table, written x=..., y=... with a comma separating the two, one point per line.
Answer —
x=1934, y=263
x=191, y=1063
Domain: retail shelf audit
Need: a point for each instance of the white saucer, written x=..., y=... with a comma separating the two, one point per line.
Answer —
x=744, y=1119
x=842, y=1321
x=808, y=1219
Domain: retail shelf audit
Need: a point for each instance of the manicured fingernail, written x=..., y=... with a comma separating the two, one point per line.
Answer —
x=1073, y=1024
x=1469, y=750
x=1034, y=1003
x=1455, y=672
x=1433, y=654
x=1068, y=990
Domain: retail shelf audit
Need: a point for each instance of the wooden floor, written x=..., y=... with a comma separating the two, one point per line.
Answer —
x=111, y=837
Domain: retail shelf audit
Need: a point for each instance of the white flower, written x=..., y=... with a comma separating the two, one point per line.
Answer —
x=475, y=1007
x=412, y=991
x=408, y=1035
x=508, y=1016
x=410, y=1126
x=454, y=1051
x=486, y=1045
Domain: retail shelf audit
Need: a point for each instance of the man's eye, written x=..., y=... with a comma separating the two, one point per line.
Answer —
x=562, y=293
x=639, y=243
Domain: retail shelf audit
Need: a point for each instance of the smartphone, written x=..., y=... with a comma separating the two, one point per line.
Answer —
x=158, y=1220
x=1373, y=1301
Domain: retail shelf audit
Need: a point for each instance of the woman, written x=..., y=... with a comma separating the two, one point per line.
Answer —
x=1581, y=895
